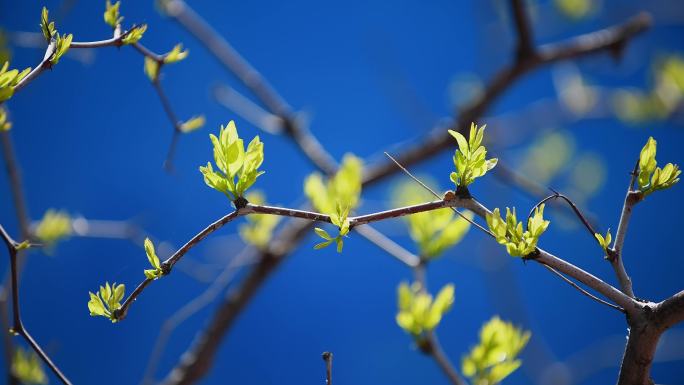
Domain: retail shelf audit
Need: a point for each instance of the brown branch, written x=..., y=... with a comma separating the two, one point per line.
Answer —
x=328, y=357
x=19, y=328
x=392, y=248
x=615, y=254
x=168, y=264
x=525, y=48
x=609, y=39
x=567, y=268
x=198, y=358
x=434, y=348
x=192, y=307
x=584, y=292
x=226, y=55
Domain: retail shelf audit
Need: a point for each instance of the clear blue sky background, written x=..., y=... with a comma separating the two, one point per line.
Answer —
x=91, y=139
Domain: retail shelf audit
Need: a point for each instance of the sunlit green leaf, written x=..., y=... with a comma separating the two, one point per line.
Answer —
x=111, y=14
x=495, y=357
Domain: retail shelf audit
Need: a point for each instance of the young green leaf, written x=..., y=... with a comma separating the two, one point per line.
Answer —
x=63, y=44
x=418, y=313
x=5, y=124
x=176, y=54
x=652, y=178
x=510, y=232
x=433, y=232
x=495, y=357
x=152, y=257
x=470, y=158
x=133, y=36
x=47, y=26
x=604, y=241
x=106, y=301
x=151, y=69
x=111, y=14
x=192, y=124
x=9, y=79
x=338, y=196
x=27, y=367
x=53, y=227
x=232, y=162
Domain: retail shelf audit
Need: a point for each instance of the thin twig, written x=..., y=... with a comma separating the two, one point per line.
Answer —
x=573, y=206
x=434, y=348
x=328, y=357
x=576, y=286
x=388, y=245
x=407, y=172
x=168, y=264
x=19, y=328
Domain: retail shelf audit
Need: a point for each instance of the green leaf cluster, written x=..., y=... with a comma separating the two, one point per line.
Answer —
x=258, y=230
x=232, y=161
x=434, y=231
x=111, y=14
x=53, y=227
x=156, y=270
x=510, y=232
x=62, y=42
x=604, y=241
x=134, y=35
x=495, y=357
x=652, y=178
x=192, y=124
x=9, y=80
x=336, y=197
x=27, y=368
x=340, y=219
x=418, y=312
x=5, y=124
x=470, y=158
x=106, y=301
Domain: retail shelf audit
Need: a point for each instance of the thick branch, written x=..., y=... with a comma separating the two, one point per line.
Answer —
x=609, y=39
x=525, y=49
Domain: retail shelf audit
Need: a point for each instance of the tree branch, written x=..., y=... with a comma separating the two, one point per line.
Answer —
x=19, y=328
x=615, y=254
x=525, y=48
x=609, y=39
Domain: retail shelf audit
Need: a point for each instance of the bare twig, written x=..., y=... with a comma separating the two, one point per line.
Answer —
x=328, y=357
x=168, y=264
x=578, y=288
x=388, y=245
x=19, y=328
x=573, y=206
